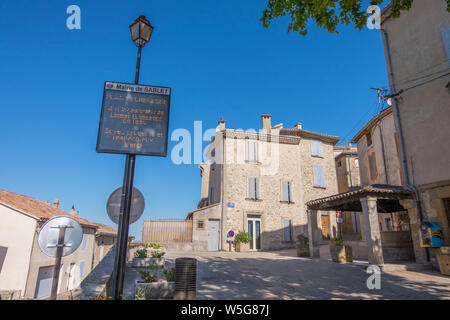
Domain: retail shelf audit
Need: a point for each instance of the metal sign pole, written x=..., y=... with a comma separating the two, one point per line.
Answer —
x=59, y=253
x=124, y=218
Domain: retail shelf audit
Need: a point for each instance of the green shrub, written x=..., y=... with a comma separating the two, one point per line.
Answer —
x=141, y=253
x=157, y=254
x=337, y=241
x=302, y=240
x=169, y=274
x=242, y=237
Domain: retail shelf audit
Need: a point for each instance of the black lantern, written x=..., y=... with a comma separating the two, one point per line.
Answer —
x=141, y=31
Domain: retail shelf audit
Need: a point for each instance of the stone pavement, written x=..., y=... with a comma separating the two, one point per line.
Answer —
x=282, y=275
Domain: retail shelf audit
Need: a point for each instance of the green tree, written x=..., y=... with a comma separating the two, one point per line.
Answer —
x=328, y=14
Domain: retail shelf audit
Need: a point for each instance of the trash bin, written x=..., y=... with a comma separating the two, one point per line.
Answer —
x=185, y=279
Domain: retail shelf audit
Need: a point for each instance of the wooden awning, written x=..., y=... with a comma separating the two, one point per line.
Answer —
x=388, y=199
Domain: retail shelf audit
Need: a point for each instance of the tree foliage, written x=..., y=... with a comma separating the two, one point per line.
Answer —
x=328, y=14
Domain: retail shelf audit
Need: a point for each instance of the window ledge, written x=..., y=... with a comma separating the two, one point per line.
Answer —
x=288, y=241
x=253, y=161
x=319, y=187
x=317, y=156
x=251, y=199
x=288, y=202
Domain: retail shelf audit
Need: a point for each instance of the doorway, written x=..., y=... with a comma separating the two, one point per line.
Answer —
x=254, y=230
x=213, y=235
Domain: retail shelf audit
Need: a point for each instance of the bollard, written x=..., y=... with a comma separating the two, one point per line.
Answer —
x=185, y=279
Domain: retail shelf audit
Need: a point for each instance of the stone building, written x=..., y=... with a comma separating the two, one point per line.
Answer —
x=347, y=174
x=403, y=151
x=259, y=182
x=24, y=268
x=417, y=51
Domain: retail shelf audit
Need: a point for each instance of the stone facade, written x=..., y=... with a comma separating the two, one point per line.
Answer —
x=419, y=52
x=283, y=155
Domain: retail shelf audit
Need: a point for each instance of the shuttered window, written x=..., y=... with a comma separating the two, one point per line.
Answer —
x=316, y=148
x=253, y=188
x=287, y=230
x=83, y=245
x=211, y=195
x=372, y=166
x=286, y=191
x=81, y=269
x=253, y=151
x=318, y=176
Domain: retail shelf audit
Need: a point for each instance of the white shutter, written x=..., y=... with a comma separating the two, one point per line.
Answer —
x=251, y=151
x=256, y=188
x=285, y=191
x=289, y=191
x=318, y=176
x=251, y=188
x=316, y=147
x=256, y=148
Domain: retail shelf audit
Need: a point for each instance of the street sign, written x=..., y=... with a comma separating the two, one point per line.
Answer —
x=134, y=119
x=49, y=232
x=339, y=220
x=231, y=204
x=338, y=214
x=230, y=235
x=137, y=205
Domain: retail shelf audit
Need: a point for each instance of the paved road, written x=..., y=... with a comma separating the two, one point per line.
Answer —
x=282, y=275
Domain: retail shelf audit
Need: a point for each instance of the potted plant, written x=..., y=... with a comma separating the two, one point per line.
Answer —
x=339, y=252
x=153, y=246
x=157, y=258
x=149, y=287
x=302, y=246
x=242, y=240
x=141, y=259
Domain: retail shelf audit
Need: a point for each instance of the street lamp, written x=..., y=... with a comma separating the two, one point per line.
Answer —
x=141, y=30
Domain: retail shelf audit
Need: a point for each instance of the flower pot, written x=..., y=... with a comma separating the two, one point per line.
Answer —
x=341, y=254
x=147, y=262
x=302, y=250
x=155, y=290
x=242, y=247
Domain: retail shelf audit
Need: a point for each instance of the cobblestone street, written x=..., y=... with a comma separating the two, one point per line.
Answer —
x=282, y=275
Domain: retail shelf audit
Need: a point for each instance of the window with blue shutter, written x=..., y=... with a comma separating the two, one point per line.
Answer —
x=318, y=176
x=253, y=188
x=316, y=148
x=253, y=151
x=81, y=269
x=83, y=245
x=286, y=191
x=287, y=234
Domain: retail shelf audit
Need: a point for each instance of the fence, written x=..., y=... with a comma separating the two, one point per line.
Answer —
x=167, y=231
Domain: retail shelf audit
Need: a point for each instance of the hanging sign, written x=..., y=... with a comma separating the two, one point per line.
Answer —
x=134, y=119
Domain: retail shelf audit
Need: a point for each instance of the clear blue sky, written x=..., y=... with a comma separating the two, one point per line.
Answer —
x=215, y=55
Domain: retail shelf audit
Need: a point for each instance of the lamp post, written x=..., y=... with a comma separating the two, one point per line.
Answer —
x=141, y=30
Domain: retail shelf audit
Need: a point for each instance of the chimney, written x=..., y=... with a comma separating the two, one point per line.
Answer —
x=56, y=203
x=298, y=126
x=266, y=122
x=73, y=212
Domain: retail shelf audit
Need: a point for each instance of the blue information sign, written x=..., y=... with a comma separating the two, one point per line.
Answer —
x=134, y=119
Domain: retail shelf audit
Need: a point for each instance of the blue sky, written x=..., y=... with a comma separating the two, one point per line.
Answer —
x=216, y=57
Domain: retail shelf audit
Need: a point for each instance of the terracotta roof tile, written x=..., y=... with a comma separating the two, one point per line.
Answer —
x=36, y=208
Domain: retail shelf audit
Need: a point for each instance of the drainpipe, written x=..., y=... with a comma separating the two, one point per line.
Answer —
x=222, y=190
x=400, y=131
